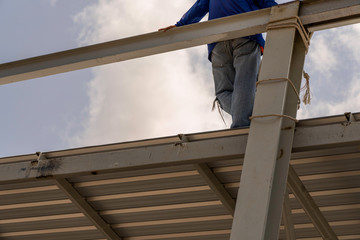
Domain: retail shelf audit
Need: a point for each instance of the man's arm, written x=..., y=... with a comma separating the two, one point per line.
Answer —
x=265, y=3
x=193, y=15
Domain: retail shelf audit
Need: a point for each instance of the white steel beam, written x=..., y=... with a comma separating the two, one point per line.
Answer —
x=324, y=136
x=310, y=207
x=263, y=180
x=320, y=15
x=135, y=47
x=316, y=14
x=330, y=131
x=132, y=158
x=216, y=186
x=87, y=209
x=167, y=151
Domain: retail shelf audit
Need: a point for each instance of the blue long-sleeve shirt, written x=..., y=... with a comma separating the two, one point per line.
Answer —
x=223, y=8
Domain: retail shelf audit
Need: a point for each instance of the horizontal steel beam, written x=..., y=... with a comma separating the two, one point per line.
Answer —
x=326, y=136
x=176, y=153
x=229, y=146
x=303, y=124
x=316, y=15
x=135, y=47
x=320, y=15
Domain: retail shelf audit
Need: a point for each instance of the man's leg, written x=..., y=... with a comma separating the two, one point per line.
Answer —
x=246, y=55
x=224, y=74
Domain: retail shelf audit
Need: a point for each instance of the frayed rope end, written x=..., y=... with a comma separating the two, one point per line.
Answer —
x=306, y=87
x=216, y=103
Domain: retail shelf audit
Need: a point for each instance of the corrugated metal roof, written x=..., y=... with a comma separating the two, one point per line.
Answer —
x=173, y=201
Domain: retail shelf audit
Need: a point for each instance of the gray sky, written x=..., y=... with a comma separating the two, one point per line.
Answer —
x=143, y=98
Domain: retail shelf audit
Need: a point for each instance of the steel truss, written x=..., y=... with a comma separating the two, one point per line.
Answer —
x=260, y=202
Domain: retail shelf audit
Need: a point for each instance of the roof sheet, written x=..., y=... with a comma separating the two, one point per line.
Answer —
x=172, y=200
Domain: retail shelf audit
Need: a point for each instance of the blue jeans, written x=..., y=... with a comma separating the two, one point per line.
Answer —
x=235, y=65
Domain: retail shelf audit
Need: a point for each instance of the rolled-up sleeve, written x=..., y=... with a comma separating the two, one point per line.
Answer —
x=195, y=13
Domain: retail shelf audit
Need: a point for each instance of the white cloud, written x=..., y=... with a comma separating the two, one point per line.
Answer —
x=333, y=62
x=111, y=19
x=348, y=37
x=321, y=55
x=149, y=97
x=53, y=2
x=324, y=108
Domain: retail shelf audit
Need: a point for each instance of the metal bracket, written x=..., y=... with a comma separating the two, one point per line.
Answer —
x=183, y=139
x=182, y=143
x=350, y=118
x=41, y=157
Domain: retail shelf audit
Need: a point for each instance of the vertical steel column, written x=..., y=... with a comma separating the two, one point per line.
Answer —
x=263, y=180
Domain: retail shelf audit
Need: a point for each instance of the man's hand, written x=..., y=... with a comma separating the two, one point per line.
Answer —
x=166, y=28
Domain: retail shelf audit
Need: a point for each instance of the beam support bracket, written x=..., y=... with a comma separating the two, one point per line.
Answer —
x=217, y=187
x=309, y=205
x=87, y=209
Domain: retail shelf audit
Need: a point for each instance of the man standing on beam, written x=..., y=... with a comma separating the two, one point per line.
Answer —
x=235, y=63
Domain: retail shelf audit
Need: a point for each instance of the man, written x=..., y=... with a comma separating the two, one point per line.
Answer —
x=235, y=63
